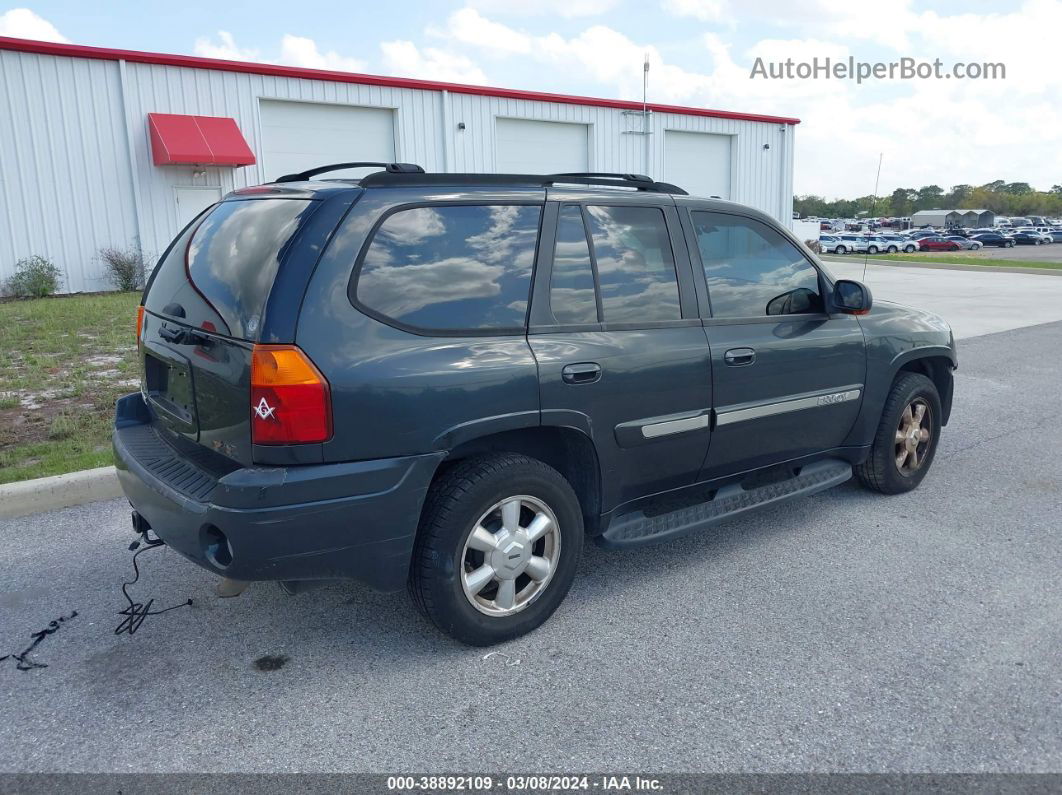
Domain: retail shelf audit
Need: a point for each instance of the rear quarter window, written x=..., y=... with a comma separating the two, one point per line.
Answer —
x=451, y=268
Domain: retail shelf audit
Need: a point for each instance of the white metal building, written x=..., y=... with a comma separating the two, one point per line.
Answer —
x=943, y=218
x=103, y=147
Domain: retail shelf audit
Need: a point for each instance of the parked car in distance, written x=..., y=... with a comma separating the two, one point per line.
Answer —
x=938, y=243
x=994, y=239
x=876, y=244
x=970, y=244
x=843, y=244
x=895, y=243
x=1028, y=238
x=921, y=233
x=828, y=244
x=315, y=406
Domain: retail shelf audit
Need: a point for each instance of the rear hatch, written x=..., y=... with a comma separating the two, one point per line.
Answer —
x=203, y=312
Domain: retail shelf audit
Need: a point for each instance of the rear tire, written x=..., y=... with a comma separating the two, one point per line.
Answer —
x=479, y=571
x=842, y=250
x=912, y=411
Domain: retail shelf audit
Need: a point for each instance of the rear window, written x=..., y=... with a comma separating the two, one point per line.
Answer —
x=232, y=257
x=452, y=268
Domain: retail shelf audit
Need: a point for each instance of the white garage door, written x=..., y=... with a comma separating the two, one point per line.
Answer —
x=698, y=162
x=297, y=136
x=541, y=147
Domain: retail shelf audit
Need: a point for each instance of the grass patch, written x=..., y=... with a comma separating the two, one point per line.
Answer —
x=966, y=259
x=63, y=362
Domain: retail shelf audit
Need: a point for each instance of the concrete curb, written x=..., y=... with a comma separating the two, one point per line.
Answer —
x=943, y=266
x=59, y=491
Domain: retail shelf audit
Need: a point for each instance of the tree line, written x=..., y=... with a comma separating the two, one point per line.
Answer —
x=1002, y=198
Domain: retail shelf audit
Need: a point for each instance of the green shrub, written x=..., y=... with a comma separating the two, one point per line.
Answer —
x=35, y=277
x=125, y=267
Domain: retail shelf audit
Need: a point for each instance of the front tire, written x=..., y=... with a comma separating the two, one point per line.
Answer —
x=872, y=250
x=906, y=440
x=891, y=249
x=498, y=545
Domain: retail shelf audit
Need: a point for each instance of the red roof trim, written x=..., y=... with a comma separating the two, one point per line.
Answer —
x=193, y=62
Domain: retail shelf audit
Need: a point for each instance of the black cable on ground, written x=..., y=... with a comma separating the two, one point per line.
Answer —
x=136, y=612
x=22, y=661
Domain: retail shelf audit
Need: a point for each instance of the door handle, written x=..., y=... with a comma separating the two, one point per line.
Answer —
x=582, y=373
x=738, y=357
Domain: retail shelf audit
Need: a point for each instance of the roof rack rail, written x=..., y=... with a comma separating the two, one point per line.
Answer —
x=391, y=168
x=417, y=179
x=606, y=175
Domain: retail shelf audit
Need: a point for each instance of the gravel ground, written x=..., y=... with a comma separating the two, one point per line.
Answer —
x=846, y=631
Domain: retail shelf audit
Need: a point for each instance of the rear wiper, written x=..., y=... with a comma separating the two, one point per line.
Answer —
x=183, y=336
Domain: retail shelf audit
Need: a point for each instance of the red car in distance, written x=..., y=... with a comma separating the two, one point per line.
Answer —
x=938, y=244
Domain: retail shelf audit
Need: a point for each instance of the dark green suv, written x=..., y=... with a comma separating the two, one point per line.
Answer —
x=450, y=380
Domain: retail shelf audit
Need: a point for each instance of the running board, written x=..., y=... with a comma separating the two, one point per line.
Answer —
x=636, y=528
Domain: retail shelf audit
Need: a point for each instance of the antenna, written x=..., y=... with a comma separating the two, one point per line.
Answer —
x=645, y=85
x=873, y=199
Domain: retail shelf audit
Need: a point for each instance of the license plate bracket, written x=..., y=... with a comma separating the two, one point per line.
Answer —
x=170, y=389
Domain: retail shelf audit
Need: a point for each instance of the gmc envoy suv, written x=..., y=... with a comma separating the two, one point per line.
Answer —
x=450, y=380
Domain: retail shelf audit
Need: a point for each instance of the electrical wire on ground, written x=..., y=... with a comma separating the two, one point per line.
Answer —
x=22, y=660
x=137, y=612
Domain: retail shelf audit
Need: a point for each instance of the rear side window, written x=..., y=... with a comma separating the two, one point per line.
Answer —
x=635, y=264
x=752, y=270
x=232, y=258
x=571, y=284
x=451, y=268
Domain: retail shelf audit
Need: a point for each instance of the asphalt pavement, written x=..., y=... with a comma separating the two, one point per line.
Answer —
x=846, y=631
x=974, y=302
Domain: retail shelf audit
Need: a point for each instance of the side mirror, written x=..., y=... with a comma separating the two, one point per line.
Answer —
x=852, y=298
x=795, y=302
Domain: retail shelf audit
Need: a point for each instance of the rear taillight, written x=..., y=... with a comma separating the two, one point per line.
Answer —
x=139, y=323
x=290, y=401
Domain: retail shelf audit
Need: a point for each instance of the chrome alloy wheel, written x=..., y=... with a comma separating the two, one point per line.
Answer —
x=913, y=436
x=510, y=555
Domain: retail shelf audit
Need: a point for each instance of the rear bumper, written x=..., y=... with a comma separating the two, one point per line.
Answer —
x=351, y=520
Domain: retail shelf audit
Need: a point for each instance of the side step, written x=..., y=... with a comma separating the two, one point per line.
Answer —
x=636, y=528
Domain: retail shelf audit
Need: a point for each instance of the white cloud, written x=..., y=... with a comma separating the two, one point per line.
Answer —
x=224, y=48
x=301, y=51
x=703, y=10
x=21, y=23
x=405, y=59
x=470, y=27
x=294, y=51
x=562, y=8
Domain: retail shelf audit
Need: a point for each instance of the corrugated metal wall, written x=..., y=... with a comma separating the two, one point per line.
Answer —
x=65, y=179
x=76, y=171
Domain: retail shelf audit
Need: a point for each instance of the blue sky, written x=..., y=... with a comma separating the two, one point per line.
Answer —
x=930, y=131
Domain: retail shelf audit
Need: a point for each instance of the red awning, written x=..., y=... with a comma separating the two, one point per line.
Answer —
x=197, y=140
